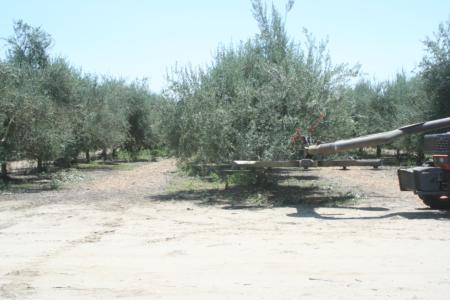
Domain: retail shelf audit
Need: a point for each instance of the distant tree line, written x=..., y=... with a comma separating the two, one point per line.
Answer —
x=245, y=105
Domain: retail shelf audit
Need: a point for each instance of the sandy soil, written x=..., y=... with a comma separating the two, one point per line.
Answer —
x=116, y=237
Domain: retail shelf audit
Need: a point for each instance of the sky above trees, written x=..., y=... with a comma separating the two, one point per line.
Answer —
x=147, y=38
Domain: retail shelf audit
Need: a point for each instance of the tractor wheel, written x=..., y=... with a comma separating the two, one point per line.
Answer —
x=436, y=202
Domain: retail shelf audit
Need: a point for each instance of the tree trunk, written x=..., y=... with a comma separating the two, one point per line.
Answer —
x=360, y=152
x=67, y=162
x=378, y=151
x=420, y=158
x=397, y=154
x=105, y=154
x=114, y=153
x=88, y=156
x=4, y=174
x=40, y=166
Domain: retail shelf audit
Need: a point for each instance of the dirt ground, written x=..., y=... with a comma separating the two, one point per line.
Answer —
x=119, y=235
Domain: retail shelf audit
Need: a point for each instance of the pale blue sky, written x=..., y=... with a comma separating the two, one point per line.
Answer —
x=138, y=38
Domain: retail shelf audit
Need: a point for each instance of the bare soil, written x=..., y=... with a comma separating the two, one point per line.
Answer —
x=122, y=234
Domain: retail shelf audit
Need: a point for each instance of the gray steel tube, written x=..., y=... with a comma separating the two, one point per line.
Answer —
x=377, y=138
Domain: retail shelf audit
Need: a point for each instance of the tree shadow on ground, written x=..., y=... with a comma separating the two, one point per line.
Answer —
x=306, y=198
x=281, y=177
x=243, y=197
x=282, y=190
x=310, y=211
x=30, y=183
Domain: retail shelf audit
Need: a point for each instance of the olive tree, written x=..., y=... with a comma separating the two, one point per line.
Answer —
x=250, y=100
x=435, y=69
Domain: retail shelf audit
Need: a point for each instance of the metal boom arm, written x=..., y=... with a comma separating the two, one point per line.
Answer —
x=378, y=138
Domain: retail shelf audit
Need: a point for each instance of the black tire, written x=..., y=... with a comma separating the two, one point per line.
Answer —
x=436, y=202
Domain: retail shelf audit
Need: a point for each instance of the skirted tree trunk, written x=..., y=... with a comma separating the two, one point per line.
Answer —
x=378, y=151
x=40, y=166
x=114, y=153
x=88, y=156
x=105, y=154
x=4, y=174
x=360, y=152
x=420, y=158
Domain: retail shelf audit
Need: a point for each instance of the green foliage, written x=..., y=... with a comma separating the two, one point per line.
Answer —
x=247, y=104
x=49, y=110
x=139, y=110
x=140, y=155
x=106, y=166
x=29, y=46
x=392, y=104
x=436, y=70
x=30, y=120
x=411, y=105
x=33, y=123
x=55, y=184
x=110, y=120
x=242, y=178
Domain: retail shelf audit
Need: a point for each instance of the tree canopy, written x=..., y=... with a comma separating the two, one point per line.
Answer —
x=246, y=104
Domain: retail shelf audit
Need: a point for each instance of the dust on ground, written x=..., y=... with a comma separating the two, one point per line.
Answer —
x=120, y=235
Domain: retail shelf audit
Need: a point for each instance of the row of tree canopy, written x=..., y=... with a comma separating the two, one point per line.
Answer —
x=245, y=105
x=50, y=110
